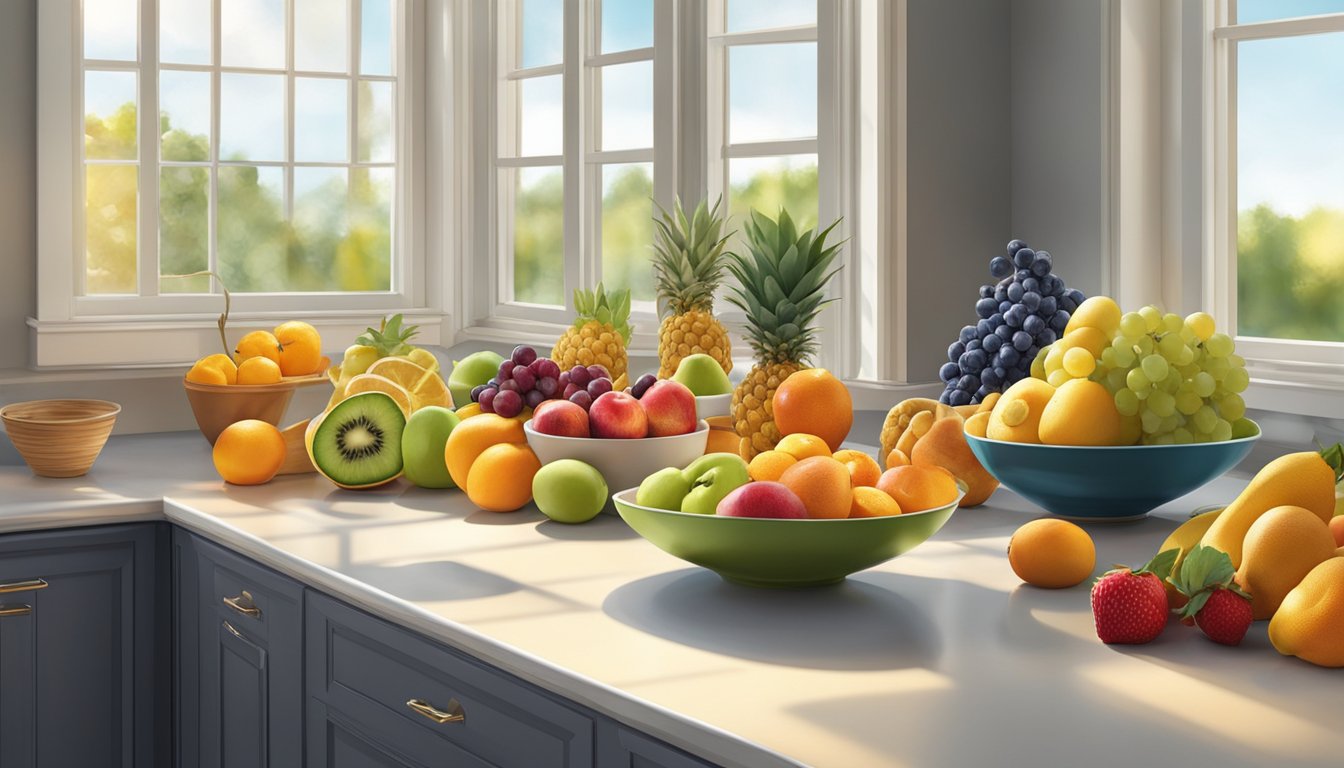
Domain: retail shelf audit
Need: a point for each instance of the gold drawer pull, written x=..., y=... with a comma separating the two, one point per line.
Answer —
x=244, y=605
x=238, y=634
x=16, y=610
x=453, y=715
x=23, y=586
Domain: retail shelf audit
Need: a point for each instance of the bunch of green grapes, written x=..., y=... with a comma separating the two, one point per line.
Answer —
x=1180, y=377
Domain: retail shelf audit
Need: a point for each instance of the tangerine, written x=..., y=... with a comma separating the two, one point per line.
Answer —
x=1052, y=554
x=500, y=479
x=769, y=465
x=863, y=469
x=472, y=437
x=814, y=402
x=258, y=370
x=257, y=344
x=823, y=485
x=801, y=446
x=870, y=502
x=918, y=488
x=217, y=369
x=248, y=452
x=300, y=348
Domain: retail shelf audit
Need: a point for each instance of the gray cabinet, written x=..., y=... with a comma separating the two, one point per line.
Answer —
x=625, y=748
x=84, y=648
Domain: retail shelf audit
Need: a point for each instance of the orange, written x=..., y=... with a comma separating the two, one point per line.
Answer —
x=249, y=452
x=769, y=465
x=257, y=344
x=472, y=437
x=863, y=469
x=803, y=446
x=870, y=502
x=823, y=485
x=372, y=382
x=897, y=458
x=1052, y=554
x=722, y=435
x=217, y=369
x=919, y=488
x=258, y=370
x=1337, y=529
x=300, y=348
x=426, y=387
x=500, y=479
x=814, y=402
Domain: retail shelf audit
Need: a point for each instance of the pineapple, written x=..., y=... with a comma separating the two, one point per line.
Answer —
x=780, y=288
x=599, y=334
x=688, y=264
x=390, y=339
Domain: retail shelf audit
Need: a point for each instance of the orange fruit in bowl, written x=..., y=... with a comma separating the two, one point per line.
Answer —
x=823, y=485
x=217, y=369
x=259, y=370
x=812, y=401
x=870, y=502
x=257, y=344
x=863, y=469
x=500, y=479
x=803, y=446
x=249, y=452
x=300, y=348
x=1052, y=553
x=769, y=465
x=918, y=488
x=897, y=458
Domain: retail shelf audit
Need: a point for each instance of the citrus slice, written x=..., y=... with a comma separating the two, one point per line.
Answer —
x=372, y=382
x=424, y=358
x=425, y=386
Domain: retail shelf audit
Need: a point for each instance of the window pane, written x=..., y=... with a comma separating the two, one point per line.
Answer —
x=1264, y=10
x=364, y=260
x=543, y=32
x=110, y=29
x=251, y=230
x=253, y=33
x=109, y=115
x=184, y=228
x=538, y=234
x=375, y=37
x=184, y=115
x=745, y=15
x=375, y=122
x=319, y=229
x=627, y=228
x=184, y=31
x=251, y=117
x=627, y=24
x=627, y=105
x=772, y=92
x=321, y=122
x=110, y=228
x=321, y=36
x=767, y=183
x=541, y=116
x=1290, y=187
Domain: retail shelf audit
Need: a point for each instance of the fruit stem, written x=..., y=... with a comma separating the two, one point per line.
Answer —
x=224, y=318
x=1334, y=458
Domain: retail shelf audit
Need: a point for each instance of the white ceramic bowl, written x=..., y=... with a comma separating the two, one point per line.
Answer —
x=709, y=406
x=623, y=463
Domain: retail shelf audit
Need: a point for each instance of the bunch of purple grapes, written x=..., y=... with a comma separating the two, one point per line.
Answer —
x=1027, y=310
x=525, y=380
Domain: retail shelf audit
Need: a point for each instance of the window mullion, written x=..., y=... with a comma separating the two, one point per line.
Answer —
x=666, y=105
x=212, y=204
x=578, y=263
x=147, y=111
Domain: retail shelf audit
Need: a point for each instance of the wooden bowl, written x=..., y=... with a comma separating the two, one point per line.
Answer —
x=217, y=407
x=60, y=438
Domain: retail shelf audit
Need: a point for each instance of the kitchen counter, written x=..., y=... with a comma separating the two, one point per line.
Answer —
x=940, y=657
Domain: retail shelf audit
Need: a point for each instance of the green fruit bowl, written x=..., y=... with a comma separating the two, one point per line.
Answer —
x=1102, y=483
x=781, y=553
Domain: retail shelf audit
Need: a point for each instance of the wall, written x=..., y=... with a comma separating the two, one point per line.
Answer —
x=958, y=174
x=18, y=177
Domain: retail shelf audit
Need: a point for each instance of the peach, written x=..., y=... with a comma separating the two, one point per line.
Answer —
x=618, y=415
x=762, y=499
x=561, y=418
x=870, y=502
x=670, y=407
x=823, y=485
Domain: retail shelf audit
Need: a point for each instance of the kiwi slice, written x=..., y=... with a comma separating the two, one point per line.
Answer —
x=358, y=443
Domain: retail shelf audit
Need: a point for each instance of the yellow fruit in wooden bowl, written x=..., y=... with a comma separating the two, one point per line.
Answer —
x=258, y=370
x=1081, y=412
x=257, y=344
x=300, y=348
x=217, y=369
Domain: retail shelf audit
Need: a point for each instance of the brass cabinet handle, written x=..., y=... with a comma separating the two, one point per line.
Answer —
x=233, y=631
x=244, y=605
x=15, y=610
x=453, y=715
x=23, y=586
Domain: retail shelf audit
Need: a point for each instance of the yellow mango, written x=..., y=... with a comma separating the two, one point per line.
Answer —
x=1310, y=621
x=1099, y=312
x=1279, y=550
x=1082, y=412
x=1016, y=417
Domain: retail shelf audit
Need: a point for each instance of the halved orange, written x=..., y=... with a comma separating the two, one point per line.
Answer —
x=425, y=387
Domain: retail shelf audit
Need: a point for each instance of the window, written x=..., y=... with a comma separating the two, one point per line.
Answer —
x=1278, y=207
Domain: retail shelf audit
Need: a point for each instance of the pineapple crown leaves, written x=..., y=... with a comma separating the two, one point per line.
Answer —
x=1204, y=571
x=689, y=256
x=608, y=308
x=390, y=338
x=780, y=284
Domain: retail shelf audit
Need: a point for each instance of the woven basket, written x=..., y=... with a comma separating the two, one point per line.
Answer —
x=60, y=438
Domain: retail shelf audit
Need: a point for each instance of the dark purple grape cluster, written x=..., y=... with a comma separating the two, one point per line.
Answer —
x=642, y=385
x=1027, y=310
x=526, y=381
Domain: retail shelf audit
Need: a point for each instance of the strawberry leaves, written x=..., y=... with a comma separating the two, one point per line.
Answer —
x=1204, y=571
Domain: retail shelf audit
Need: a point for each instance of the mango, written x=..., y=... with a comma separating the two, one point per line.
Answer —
x=1016, y=417
x=1091, y=339
x=1100, y=312
x=1082, y=412
x=944, y=445
x=1282, y=546
x=1310, y=621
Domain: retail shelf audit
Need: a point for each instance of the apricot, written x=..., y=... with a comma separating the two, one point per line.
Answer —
x=801, y=446
x=863, y=469
x=500, y=479
x=769, y=465
x=870, y=502
x=1052, y=554
x=823, y=485
x=917, y=488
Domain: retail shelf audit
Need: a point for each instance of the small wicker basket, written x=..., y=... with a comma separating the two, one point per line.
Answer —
x=60, y=438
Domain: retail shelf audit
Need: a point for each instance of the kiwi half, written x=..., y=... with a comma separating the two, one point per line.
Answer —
x=358, y=442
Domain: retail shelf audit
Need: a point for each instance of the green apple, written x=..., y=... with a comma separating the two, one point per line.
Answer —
x=712, y=477
x=702, y=375
x=569, y=491
x=422, y=446
x=663, y=489
x=470, y=372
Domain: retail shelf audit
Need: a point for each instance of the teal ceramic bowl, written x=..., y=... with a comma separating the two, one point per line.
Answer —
x=764, y=552
x=1106, y=482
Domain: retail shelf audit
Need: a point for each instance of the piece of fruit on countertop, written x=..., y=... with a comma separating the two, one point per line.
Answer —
x=1130, y=607
x=1214, y=601
x=357, y=444
x=1310, y=621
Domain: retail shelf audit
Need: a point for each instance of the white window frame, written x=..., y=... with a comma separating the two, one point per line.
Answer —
x=148, y=330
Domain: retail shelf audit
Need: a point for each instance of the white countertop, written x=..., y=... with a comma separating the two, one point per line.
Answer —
x=938, y=658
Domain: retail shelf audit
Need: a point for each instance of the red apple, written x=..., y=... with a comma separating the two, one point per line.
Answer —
x=762, y=499
x=670, y=406
x=618, y=415
x=560, y=418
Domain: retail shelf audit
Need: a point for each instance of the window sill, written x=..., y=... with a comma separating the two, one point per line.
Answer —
x=1303, y=389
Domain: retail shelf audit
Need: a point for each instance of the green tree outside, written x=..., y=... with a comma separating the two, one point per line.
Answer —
x=1290, y=274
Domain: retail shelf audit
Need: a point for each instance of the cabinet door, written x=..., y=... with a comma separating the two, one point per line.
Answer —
x=625, y=748
x=83, y=652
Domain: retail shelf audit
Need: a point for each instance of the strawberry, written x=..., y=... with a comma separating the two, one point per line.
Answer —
x=1130, y=606
x=1217, y=605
